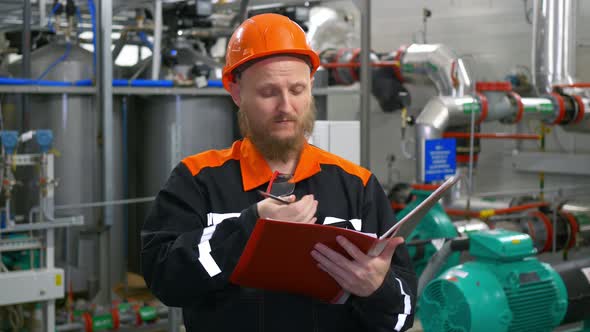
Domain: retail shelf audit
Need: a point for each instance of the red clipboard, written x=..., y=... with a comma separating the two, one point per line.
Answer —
x=277, y=256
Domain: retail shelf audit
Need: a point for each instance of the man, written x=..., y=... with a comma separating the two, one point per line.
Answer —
x=202, y=218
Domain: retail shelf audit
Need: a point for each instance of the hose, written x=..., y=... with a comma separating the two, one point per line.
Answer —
x=61, y=59
x=439, y=259
x=143, y=37
x=55, y=8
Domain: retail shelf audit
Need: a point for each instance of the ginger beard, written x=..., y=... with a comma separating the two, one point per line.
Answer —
x=274, y=148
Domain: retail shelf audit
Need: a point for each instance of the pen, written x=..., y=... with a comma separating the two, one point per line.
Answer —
x=276, y=198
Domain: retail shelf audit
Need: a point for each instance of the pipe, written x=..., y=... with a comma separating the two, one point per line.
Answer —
x=214, y=32
x=492, y=135
x=105, y=92
x=541, y=109
x=439, y=259
x=144, y=39
x=582, y=122
x=42, y=13
x=26, y=61
x=120, y=44
x=442, y=112
x=243, y=13
x=365, y=10
x=554, y=43
x=486, y=213
x=437, y=115
x=574, y=189
x=156, y=53
x=438, y=65
x=477, y=204
x=578, y=288
x=92, y=10
x=56, y=62
x=331, y=65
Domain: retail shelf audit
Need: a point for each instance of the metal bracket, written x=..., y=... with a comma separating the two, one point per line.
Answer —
x=58, y=223
x=19, y=244
x=548, y=162
x=26, y=159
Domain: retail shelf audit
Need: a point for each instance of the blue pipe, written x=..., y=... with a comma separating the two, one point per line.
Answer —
x=143, y=37
x=143, y=83
x=79, y=17
x=214, y=83
x=92, y=11
x=62, y=58
x=88, y=82
x=55, y=8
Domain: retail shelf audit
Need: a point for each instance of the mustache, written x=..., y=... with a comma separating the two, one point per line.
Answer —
x=285, y=117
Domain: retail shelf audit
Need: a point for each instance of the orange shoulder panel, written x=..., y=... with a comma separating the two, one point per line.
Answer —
x=211, y=158
x=349, y=167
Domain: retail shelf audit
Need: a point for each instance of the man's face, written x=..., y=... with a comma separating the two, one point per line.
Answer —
x=276, y=107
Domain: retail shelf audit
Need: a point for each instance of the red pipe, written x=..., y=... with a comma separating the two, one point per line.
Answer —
x=584, y=85
x=518, y=208
x=462, y=213
x=423, y=186
x=492, y=135
x=357, y=64
x=512, y=209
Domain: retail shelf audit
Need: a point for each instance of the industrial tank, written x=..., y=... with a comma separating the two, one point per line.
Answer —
x=77, y=128
x=167, y=129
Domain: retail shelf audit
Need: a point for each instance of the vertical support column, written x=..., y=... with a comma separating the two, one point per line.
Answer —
x=42, y=13
x=26, y=61
x=47, y=207
x=105, y=101
x=365, y=10
x=157, y=40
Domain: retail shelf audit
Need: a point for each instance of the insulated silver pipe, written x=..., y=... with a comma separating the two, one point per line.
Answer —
x=554, y=43
x=584, y=125
x=538, y=109
x=365, y=69
x=156, y=54
x=438, y=65
x=436, y=116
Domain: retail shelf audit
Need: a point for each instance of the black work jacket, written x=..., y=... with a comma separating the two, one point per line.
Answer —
x=203, y=216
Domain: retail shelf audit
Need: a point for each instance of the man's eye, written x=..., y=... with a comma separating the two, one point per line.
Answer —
x=297, y=91
x=267, y=92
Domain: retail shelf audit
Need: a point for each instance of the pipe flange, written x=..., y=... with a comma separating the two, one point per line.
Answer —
x=558, y=101
x=401, y=51
x=336, y=71
x=483, y=102
x=519, y=104
x=573, y=228
x=548, y=226
x=116, y=318
x=353, y=71
x=87, y=318
x=581, y=109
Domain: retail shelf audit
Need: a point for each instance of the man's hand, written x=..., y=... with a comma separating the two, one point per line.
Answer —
x=362, y=275
x=302, y=210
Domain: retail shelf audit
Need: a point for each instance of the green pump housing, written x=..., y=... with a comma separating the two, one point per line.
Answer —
x=504, y=289
x=435, y=225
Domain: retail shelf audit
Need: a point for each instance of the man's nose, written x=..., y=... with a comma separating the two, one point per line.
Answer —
x=285, y=100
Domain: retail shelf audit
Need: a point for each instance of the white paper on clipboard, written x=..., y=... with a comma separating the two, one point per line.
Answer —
x=406, y=225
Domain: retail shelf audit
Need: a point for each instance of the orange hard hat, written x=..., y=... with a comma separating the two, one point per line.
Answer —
x=264, y=35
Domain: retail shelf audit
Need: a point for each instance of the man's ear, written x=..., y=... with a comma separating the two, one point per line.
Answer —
x=234, y=91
